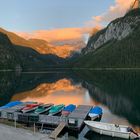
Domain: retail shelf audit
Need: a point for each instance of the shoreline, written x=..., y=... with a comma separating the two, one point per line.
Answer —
x=51, y=70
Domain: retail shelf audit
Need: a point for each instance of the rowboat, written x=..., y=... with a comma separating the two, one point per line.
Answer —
x=11, y=104
x=56, y=109
x=113, y=130
x=68, y=109
x=29, y=108
x=95, y=113
x=43, y=108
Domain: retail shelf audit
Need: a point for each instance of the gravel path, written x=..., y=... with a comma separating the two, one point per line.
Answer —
x=11, y=133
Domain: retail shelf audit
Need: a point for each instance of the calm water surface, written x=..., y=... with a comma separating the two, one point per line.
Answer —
x=117, y=92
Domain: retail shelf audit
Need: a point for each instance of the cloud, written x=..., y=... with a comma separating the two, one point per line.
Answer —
x=59, y=35
x=117, y=10
x=56, y=34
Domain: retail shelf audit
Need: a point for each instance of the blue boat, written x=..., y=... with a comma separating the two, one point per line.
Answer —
x=95, y=112
x=68, y=109
x=11, y=104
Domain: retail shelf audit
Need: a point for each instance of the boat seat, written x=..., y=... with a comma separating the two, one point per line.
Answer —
x=123, y=129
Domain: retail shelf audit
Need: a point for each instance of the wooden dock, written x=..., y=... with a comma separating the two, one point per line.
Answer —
x=74, y=121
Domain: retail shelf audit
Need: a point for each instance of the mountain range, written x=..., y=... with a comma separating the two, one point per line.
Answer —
x=61, y=49
x=116, y=46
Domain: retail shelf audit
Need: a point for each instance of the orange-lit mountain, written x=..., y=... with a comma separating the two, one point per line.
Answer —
x=63, y=49
x=66, y=48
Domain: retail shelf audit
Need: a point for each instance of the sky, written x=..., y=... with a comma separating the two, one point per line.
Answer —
x=58, y=19
x=30, y=15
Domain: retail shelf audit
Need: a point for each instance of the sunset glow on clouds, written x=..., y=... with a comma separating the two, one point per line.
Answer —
x=114, y=11
x=57, y=34
x=117, y=10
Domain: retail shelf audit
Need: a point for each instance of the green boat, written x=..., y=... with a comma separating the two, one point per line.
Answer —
x=43, y=108
x=56, y=109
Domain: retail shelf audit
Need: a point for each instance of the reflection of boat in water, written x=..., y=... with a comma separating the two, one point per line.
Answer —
x=95, y=113
x=43, y=108
x=56, y=109
x=68, y=109
x=113, y=130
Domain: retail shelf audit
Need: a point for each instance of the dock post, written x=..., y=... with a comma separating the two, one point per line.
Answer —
x=15, y=123
x=34, y=128
x=42, y=126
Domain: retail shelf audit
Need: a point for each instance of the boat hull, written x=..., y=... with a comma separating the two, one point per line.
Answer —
x=55, y=113
x=56, y=110
x=65, y=113
x=112, y=134
x=44, y=111
x=109, y=130
x=29, y=110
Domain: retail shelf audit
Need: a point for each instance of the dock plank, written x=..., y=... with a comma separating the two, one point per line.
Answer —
x=57, y=131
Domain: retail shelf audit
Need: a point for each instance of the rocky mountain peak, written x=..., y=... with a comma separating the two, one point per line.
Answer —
x=116, y=30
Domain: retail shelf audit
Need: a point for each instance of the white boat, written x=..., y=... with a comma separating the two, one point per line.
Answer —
x=113, y=130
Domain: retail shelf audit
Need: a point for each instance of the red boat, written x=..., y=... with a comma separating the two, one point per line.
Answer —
x=29, y=108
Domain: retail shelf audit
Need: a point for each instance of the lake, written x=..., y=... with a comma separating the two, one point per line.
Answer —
x=117, y=92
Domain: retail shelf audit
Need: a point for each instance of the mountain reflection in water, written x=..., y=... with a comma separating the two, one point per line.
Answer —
x=61, y=91
x=117, y=92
